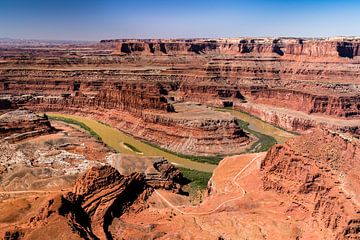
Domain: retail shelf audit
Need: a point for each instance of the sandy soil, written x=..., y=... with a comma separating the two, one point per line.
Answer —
x=35, y=174
x=236, y=208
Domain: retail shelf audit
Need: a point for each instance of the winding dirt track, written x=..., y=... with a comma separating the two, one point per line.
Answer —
x=221, y=204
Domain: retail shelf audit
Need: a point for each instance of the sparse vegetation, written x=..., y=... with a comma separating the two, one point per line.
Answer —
x=108, y=125
x=132, y=147
x=80, y=124
x=263, y=143
x=224, y=109
x=198, y=180
x=203, y=159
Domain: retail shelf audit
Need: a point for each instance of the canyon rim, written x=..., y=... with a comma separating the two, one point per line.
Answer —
x=145, y=136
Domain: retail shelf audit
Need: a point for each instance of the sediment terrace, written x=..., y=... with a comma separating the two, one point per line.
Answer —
x=159, y=90
x=116, y=139
x=306, y=188
x=315, y=77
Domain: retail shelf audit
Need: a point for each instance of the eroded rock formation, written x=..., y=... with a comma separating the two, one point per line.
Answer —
x=340, y=106
x=319, y=172
x=291, y=46
x=20, y=124
x=189, y=130
x=102, y=194
x=318, y=77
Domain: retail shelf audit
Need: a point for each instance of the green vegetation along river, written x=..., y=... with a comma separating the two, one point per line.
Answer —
x=121, y=142
x=267, y=134
x=260, y=126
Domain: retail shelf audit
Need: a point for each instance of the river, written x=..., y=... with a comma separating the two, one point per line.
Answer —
x=118, y=140
x=258, y=125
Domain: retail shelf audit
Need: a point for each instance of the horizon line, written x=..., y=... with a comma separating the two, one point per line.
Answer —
x=180, y=38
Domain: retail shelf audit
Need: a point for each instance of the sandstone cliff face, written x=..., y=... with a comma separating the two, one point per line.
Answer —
x=134, y=102
x=20, y=124
x=313, y=48
x=341, y=106
x=210, y=94
x=320, y=172
x=102, y=194
x=335, y=48
x=99, y=195
x=314, y=76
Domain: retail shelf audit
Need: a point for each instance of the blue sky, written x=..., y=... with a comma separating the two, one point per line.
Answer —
x=104, y=19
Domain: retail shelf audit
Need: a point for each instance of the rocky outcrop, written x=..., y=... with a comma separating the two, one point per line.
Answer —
x=20, y=124
x=290, y=46
x=320, y=173
x=102, y=194
x=168, y=176
x=314, y=76
x=99, y=195
x=340, y=106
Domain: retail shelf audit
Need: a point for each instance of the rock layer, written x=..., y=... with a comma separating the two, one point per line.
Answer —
x=284, y=46
x=102, y=194
x=319, y=171
x=313, y=76
x=20, y=124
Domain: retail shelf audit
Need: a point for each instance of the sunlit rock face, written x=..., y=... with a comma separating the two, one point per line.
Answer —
x=311, y=76
x=319, y=171
x=20, y=124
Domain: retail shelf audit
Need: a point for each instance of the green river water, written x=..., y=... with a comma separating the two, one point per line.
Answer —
x=260, y=126
x=116, y=139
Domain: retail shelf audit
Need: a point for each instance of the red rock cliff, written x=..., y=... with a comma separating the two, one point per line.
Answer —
x=313, y=48
x=320, y=172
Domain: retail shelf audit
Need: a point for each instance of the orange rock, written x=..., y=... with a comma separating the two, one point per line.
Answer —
x=319, y=171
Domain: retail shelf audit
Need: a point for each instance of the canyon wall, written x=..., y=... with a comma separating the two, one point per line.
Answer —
x=340, y=106
x=20, y=124
x=317, y=77
x=98, y=196
x=283, y=46
x=133, y=102
x=319, y=172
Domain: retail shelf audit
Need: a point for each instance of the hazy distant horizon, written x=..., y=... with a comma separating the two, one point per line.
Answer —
x=94, y=20
x=98, y=40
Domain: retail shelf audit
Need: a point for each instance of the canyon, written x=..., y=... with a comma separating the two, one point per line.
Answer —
x=295, y=191
x=316, y=79
x=20, y=124
x=79, y=123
